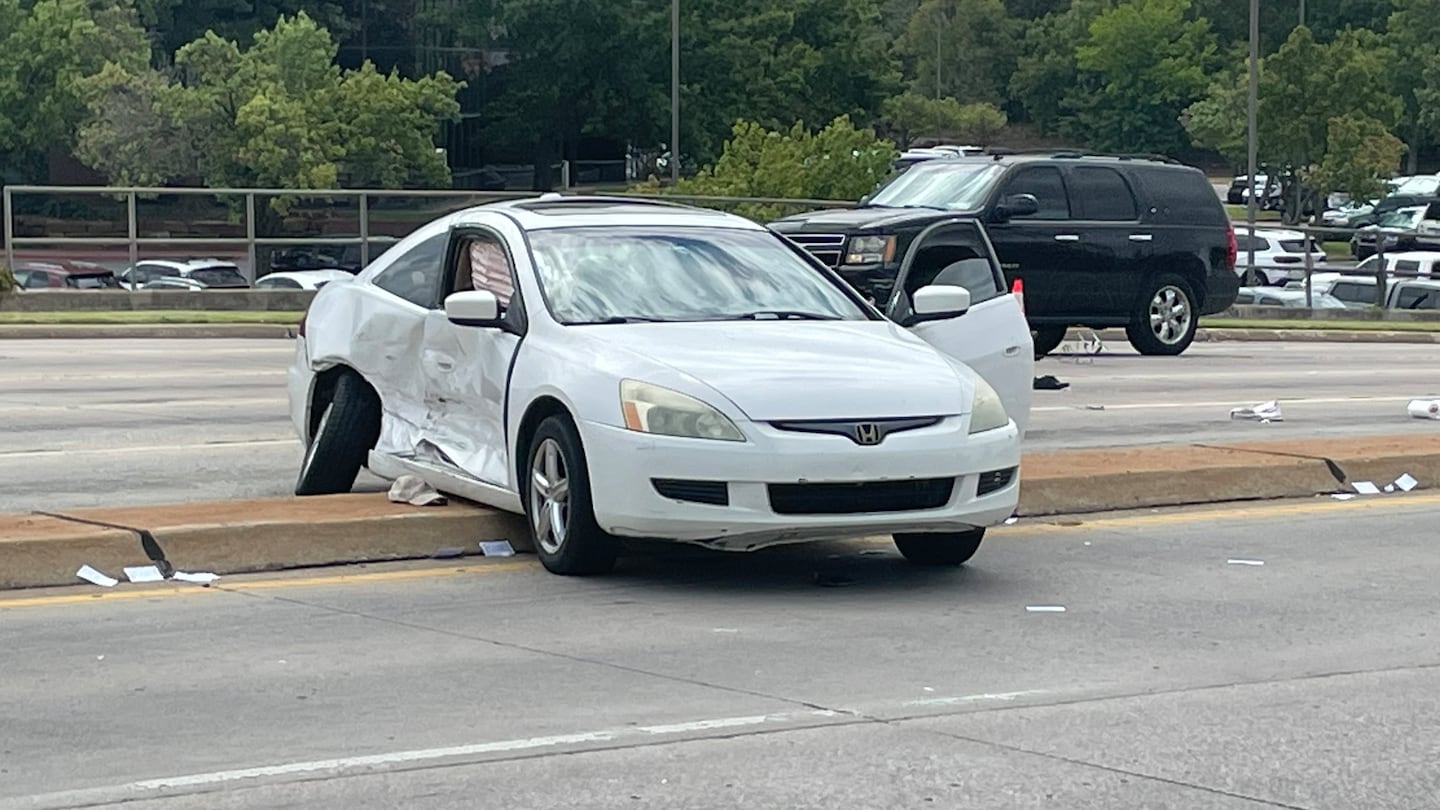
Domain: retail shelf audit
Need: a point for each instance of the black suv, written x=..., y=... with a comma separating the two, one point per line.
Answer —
x=1098, y=240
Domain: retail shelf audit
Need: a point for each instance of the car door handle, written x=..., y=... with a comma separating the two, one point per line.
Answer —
x=1067, y=237
x=1140, y=237
x=1011, y=351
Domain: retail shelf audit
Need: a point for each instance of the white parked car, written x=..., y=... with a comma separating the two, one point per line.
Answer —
x=301, y=279
x=1279, y=255
x=1287, y=298
x=210, y=273
x=618, y=368
x=1354, y=291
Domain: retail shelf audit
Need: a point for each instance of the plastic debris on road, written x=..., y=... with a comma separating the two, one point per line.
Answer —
x=199, y=577
x=1263, y=412
x=1234, y=561
x=1366, y=487
x=1344, y=496
x=412, y=490
x=1012, y=520
x=95, y=577
x=144, y=573
x=1406, y=482
x=1081, y=349
x=1044, y=608
x=496, y=548
x=1424, y=408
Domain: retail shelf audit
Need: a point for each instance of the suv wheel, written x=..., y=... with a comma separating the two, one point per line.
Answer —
x=1165, y=320
x=1047, y=339
x=1255, y=278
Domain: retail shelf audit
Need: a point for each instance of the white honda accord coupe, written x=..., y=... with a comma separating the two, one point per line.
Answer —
x=617, y=368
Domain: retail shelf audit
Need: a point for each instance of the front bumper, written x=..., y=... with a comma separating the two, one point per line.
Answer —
x=624, y=466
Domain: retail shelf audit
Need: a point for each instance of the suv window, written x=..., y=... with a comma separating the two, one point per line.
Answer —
x=415, y=276
x=1103, y=194
x=1408, y=266
x=1046, y=185
x=1353, y=292
x=1179, y=195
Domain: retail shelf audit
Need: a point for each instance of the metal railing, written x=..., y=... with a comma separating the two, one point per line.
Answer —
x=252, y=240
x=1383, y=277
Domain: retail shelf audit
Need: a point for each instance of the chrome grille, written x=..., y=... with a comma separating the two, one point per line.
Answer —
x=826, y=247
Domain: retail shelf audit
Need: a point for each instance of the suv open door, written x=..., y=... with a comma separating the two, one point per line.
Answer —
x=992, y=337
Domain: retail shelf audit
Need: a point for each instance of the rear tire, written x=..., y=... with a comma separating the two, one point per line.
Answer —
x=1255, y=278
x=558, y=505
x=349, y=427
x=1165, y=318
x=1047, y=339
x=941, y=549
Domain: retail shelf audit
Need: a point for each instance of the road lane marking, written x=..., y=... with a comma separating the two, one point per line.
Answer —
x=1226, y=403
x=154, y=448
x=960, y=701
x=80, y=376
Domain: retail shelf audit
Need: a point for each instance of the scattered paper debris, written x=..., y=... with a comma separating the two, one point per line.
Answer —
x=144, y=573
x=1045, y=608
x=199, y=577
x=99, y=658
x=496, y=548
x=1366, y=487
x=928, y=688
x=1263, y=412
x=1406, y=482
x=1245, y=562
x=1344, y=496
x=414, y=491
x=94, y=577
x=1389, y=487
x=1424, y=408
x=1012, y=520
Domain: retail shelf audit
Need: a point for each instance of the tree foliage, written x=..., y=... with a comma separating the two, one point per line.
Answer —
x=912, y=115
x=1360, y=154
x=962, y=49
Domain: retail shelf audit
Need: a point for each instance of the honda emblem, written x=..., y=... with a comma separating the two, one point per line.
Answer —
x=867, y=433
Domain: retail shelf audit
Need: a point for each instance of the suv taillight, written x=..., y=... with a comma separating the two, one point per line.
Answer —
x=1232, y=248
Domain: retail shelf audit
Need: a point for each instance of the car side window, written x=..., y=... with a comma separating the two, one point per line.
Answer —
x=482, y=263
x=1417, y=298
x=1350, y=291
x=1103, y=194
x=1046, y=185
x=415, y=276
x=1408, y=266
x=287, y=283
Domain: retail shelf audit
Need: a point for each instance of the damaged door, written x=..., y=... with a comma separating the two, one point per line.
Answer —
x=467, y=369
x=992, y=337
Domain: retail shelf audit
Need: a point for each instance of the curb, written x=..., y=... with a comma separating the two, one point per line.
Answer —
x=38, y=550
x=1229, y=335
x=179, y=330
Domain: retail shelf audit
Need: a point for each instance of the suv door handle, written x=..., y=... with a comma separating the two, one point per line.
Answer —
x=1067, y=237
x=1140, y=237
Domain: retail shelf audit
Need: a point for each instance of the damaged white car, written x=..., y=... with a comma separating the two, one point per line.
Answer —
x=617, y=368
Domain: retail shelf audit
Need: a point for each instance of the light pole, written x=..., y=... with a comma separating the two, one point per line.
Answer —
x=675, y=90
x=1251, y=141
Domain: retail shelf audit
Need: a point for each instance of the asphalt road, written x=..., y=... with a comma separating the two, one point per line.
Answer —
x=110, y=422
x=688, y=679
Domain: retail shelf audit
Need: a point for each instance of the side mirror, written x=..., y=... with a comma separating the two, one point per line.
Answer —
x=473, y=308
x=864, y=201
x=1017, y=205
x=939, y=302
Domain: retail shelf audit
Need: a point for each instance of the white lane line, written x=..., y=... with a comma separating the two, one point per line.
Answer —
x=154, y=448
x=50, y=409
x=1223, y=403
x=960, y=701
x=170, y=374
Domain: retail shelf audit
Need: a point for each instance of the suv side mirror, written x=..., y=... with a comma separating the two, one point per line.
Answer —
x=1017, y=205
x=473, y=308
x=939, y=302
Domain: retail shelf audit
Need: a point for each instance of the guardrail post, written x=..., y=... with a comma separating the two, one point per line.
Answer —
x=1381, y=294
x=254, y=272
x=364, y=230
x=9, y=202
x=1309, y=270
x=132, y=235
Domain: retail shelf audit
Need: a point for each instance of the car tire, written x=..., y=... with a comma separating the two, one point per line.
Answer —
x=558, y=507
x=941, y=548
x=1047, y=339
x=348, y=429
x=1165, y=318
x=1254, y=278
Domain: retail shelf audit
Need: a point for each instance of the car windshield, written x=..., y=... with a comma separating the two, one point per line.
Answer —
x=1423, y=185
x=947, y=185
x=1403, y=218
x=593, y=275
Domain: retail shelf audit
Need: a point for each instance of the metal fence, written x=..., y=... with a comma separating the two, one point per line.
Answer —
x=1382, y=276
x=246, y=202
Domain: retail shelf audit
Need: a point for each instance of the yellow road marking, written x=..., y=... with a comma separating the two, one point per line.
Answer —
x=1037, y=526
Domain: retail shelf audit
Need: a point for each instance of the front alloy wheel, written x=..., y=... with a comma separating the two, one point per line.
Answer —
x=558, y=505
x=549, y=497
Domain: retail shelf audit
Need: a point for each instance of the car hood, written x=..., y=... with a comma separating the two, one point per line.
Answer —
x=844, y=220
x=782, y=370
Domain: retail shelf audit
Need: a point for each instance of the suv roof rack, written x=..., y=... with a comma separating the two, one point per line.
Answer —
x=1075, y=154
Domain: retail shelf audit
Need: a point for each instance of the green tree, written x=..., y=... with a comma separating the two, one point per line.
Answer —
x=1148, y=60
x=912, y=115
x=1360, y=155
x=840, y=162
x=173, y=23
x=1218, y=121
x=1046, y=79
x=1414, y=40
x=963, y=49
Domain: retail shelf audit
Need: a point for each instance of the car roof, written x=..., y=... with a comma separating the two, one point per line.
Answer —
x=65, y=267
x=1418, y=282
x=550, y=211
x=310, y=275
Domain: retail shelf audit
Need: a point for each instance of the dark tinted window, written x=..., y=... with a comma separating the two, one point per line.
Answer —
x=1418, y=298
x=415, y=276
x=289, y=283
x=1102, y=194
x=1243, y=243
x=1353, y=292
x=1046, y=186
x=1180, y=195
x=219, y=277
x=1408, y=266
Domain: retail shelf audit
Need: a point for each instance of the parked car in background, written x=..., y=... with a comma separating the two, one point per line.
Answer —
x=1395, y=230
x=1291, y=299
x=301, y=279
x=1239, y=191
x=64, y=275
x=1098, y=241
x=208, y=272
x=1354, y=291
x=323, y=257
x=1389, y=205
x=620, y=368
x=1414, y=294
x=183, y=283
x=1279, y=255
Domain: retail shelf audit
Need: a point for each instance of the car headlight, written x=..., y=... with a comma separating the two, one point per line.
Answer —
x=651, y=409
x=989, y=411
x=870, y=250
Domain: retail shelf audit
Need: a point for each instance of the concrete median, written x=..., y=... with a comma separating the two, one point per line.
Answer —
x=244, y=536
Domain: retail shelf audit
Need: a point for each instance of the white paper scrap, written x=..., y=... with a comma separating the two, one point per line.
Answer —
x=1265, y=411
x=1424, y=408
x=496, y=548
x=95, y=577
x=1366, y=487
x=1045, y=608
x=1011, y=521
x=1245, y=562
x=200, y=577
x=1344, y=496
x=1406, y=482
x=144, y=573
